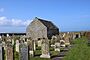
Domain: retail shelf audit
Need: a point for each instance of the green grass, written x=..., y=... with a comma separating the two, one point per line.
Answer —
x=51, y=49
x=38, y=58
x=80, y=51
x=37, y=52
x=38, y=48
x=54, y=53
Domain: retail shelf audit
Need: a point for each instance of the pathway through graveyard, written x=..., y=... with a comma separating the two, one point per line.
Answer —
x=62, y=54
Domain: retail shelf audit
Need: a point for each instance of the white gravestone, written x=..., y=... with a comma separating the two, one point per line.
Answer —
x=12, y=41
x=57, y=46
x=62, y=43
x=17, y=45
x=34, y=45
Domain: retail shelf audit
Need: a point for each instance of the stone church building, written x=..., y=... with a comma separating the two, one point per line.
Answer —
x=40, y=28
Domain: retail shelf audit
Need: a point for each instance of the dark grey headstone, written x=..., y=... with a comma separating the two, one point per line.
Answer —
x=23, y=52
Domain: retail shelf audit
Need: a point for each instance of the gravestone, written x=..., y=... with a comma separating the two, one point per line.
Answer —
x=30, y=47
x=62, y=43
x=53, y=40
x=39, y=43
x=45, y=48
x=57, y=46
x=17, y=45
x=25, y=41
x=23, y=51
x=3, y=45
x=67, y=41
x=0, y=37
x=12, y=41
x=9, y=51
x=34, y=42
x=1, y=52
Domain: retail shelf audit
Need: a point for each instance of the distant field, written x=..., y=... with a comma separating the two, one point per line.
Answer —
x=80, y=51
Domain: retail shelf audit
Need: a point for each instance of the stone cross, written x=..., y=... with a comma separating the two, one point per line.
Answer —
x=45, y=48
x=23, y=51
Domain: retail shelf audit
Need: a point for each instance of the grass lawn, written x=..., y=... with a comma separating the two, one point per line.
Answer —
x=80, y=51
x=38, y=58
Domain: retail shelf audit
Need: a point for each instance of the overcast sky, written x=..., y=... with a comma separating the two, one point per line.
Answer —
x=68, y=15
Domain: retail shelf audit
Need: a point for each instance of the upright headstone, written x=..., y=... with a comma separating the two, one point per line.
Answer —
x=0, y=37
x=3, y=45
x=12, y=41
x=45, y=48
x=9, y=51
x=57, y=46
x=67, y=41
x=23, y=51
x=25, y=41
x=7, y=35
x=62, y=43
x=17, y=45
x=30, y=47
x=9, y=38
x=53, y=40
x=39, y=43
x=1, y=52
x=34, y=42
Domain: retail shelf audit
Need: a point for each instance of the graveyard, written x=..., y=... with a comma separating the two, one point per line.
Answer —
x=44, y=41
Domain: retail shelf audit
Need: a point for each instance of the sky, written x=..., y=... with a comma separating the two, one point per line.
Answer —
x=67, y=15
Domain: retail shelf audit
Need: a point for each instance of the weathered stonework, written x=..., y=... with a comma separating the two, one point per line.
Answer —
x=40, y=28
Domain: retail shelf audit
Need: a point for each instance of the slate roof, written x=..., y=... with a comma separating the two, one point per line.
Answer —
x=48, y=24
